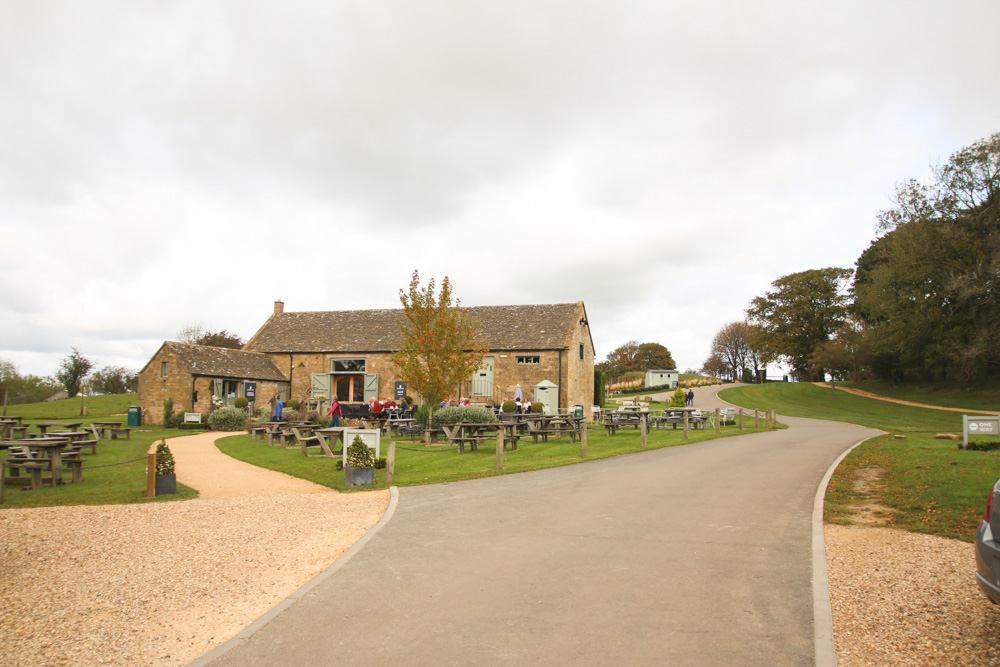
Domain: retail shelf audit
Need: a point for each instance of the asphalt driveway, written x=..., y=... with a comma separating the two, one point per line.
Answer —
x=698, y=554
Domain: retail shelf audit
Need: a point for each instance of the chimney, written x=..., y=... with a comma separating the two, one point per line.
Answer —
x=279, y=307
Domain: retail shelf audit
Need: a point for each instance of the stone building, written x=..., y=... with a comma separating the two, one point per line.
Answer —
x=197, y=377
x=546, y=349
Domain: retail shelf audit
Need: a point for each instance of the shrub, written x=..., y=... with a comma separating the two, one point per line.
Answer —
x=600, y=382
x=241, y=402
x=421, y=416
x=469, y=415
x=164, y=460
x=293, y=404
x=981, y=446
x=168, y=409
x=228, y=419
x=358, y=454
x=537, y=408
x=509, y=407
x=679, y=400
x=290, y=415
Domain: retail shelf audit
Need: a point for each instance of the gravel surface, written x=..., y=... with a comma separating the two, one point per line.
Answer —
x=162, y=584
x=901, y=598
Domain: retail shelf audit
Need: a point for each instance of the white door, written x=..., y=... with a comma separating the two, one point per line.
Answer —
x=482, y=380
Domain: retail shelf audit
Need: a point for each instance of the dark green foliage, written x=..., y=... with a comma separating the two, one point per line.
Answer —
x=168, y=410
x=114, y=380
x=509, y=407
x=600, y=387
x=359, y=455
x=72, y=370
x=164, y=459
x=228, y=419
x=241, y=402
x=537, y=408
x=678, y=400
x=980, y=446
x=293, y=404
x=469, y=415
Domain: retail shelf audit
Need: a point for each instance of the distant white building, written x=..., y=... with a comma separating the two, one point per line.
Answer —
x=661, y=378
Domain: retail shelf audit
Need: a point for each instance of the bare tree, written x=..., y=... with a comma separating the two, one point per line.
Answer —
x=732, y=346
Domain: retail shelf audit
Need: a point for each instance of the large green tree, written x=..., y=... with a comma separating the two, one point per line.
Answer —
x=633, y=356
x=928, y=289
x=802, y=312
x=440, y=347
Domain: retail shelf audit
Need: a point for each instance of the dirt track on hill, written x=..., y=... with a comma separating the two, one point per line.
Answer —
x=868, y=394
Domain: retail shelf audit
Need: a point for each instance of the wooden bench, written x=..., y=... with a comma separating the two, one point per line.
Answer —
x=34, y=467
x=119, y=430
x=257, y=431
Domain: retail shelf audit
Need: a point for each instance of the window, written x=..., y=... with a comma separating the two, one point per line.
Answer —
x=165, y=368
x=581, y=351
x=527, y=360
x=347, y=365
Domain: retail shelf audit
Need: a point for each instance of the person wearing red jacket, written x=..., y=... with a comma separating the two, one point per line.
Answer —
x=335, y=413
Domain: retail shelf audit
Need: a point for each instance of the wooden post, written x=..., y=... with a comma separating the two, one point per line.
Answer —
x=756, y=419
x=151, y=475
x=583, y=439
x=741, y=419
x=500, y=447
x=642, y=429
x=686, y=436
x=390, y=463
x=718, y=424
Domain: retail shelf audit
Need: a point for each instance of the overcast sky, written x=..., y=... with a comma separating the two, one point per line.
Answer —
x=164, y=164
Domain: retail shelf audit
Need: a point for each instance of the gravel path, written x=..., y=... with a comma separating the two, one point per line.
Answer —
x=902, y=598
x=162, y=584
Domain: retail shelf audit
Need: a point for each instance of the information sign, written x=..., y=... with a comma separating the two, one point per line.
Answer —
x=976, y=425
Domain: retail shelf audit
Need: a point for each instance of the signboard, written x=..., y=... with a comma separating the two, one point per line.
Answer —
x=987, y=425
x=400, y=390
x=250, y=391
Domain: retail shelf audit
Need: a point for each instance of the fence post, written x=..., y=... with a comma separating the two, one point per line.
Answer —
x=756, y=418
x=151, y=475
x=741, y=419
x=642, y=429
x=686, y=436
x=718, y=424
x=583, y=439
x=390, y=463
x=499, y=464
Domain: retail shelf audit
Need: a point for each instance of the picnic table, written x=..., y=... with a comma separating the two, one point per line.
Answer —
x=332, y=435
x=463, y=433
x=622, y=419
x=68, y=426
x=104, y=428
x=545, y=425
x=48, y=452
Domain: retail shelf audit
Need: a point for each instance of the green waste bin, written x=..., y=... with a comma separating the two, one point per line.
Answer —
x=134, y=415
x=578, y=411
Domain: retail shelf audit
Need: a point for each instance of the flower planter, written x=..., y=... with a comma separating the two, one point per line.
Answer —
x=359, y=476
x=166, y=484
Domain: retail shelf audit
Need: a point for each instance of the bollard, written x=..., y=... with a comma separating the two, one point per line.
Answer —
x=642, y=429
x=390, y=463
x=686, y=435
x=718, y=423
x=151, y=475
x=500, y=448
x=583, y=440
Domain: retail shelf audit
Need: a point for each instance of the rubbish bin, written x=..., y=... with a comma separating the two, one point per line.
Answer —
x=578, y=411
x=134, y=415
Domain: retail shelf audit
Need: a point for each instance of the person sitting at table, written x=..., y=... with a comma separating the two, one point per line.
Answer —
x=389, y=405
x=526, y=406
x=374, y=407
x=335, y=413
x=520, y=406
x=403, y=407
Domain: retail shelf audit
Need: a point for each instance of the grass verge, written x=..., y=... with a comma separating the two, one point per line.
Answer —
x=918, y=483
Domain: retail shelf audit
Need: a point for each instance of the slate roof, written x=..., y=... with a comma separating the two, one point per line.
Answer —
x=225, y=362
x=534, y=327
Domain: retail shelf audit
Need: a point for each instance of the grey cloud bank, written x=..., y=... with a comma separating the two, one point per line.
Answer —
x=193, y=162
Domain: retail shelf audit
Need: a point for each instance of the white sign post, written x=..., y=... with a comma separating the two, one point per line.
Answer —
x=987, y=425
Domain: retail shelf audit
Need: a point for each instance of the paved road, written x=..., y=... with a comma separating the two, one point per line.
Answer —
x=692, y=555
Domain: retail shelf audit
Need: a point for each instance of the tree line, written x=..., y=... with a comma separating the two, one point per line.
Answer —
x=920, y=304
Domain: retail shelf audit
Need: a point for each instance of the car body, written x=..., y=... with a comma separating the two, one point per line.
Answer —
x=988, y=548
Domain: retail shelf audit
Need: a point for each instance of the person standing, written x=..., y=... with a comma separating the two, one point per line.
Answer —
x=690, y=398
x=279, y=407
x=335, y=413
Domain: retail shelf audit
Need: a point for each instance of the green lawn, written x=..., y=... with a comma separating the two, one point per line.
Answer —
x=930, y=485
x=419, y=464
x=115, y=475
x=69, y=408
